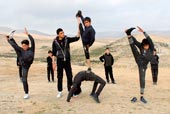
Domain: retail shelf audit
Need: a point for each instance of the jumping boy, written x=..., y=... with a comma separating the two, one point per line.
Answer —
x=108, y=61
x=84, y=76
x=142, y=58
x=26, y=57
x=50, y=66
x=154, y=67
x=87, y=35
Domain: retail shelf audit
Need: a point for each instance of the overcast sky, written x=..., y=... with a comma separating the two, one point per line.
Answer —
x=107, y=15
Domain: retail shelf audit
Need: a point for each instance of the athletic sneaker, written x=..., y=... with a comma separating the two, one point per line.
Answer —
x=143, y=100
x=92, y=94
x=59, y=94
x=75, y=95
x=26, y=96
x=113, y=82
x=134, y=99
x=128, y=31
x=96, y=99
x=89, y=70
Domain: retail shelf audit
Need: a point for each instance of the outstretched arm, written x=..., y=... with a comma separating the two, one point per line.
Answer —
x=31, y=39
x=147, y=37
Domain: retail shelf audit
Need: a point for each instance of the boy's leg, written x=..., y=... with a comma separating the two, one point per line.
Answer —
x=69, y=75
x=70, y=94
x=24, y=79
x=60, y=75
x=106, y=74
x=52, y=74
x=20, y=71
x=155, y=75
x=111, y=74
x=101, y=86
x=48, y=74
x=94, y=88
x=134, y=50
x=142, y=72
x=87, y=55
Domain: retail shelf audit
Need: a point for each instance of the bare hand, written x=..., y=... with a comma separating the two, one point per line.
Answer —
x=140, y=29
x=7, y=37
x=26, y=31
x=78, y=20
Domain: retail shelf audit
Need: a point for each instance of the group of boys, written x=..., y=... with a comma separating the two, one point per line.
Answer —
x=61, y=53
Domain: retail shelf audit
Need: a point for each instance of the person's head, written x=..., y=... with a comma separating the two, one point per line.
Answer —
x=60, y=33
x=87, y=21
x=25, y=44
x=145, y=44
x=50, y=53
x=107, y=51
x=154, y=52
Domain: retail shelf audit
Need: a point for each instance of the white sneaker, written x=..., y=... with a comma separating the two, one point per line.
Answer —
x=26, y=96
x=75, y=95
x=59, y=94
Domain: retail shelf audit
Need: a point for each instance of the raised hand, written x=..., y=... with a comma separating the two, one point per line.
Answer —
x=140, y=29
x=78, y=20
x=26, y=31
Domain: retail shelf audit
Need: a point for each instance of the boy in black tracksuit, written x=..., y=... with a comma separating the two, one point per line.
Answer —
x=108, y=61
x=86, y=76
x=26, y=57
x=154, y=67
x=61, y=50
x=87, y=35
x=142, y=58
x=50, y=66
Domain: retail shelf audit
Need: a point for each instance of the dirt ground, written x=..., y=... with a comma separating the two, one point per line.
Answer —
x=115, y=99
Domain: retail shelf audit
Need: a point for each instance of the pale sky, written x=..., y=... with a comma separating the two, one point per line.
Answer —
x=107, y=15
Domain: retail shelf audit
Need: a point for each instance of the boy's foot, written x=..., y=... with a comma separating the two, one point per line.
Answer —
x=108, y=81
x=26, y=96
x=134, y=99
x=154, y=83
x=128, y=31
x=59, y=94
x=75, y=95
x=92, y=94
x=113, y=82
x=143, y=99
x=95, y=97
x=89, y=70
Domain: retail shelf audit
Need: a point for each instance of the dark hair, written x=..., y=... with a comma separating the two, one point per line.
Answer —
x=107, y=48
x=87, y=19
x=59, y=30
x=25, y=42
x=49, y=51
x=154, y=49
x=145, y=42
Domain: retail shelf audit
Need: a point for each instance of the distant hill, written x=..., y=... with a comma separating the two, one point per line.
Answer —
x=99, y=35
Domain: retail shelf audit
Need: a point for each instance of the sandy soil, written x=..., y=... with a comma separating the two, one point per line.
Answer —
x=115, y=99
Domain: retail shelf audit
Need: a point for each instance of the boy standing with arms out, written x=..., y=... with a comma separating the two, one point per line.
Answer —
x=154, y=67
x=50, y=66
x=61, y=50
x=26, y=57
x=87, y=35
x=142, y=58
x=108, y=61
